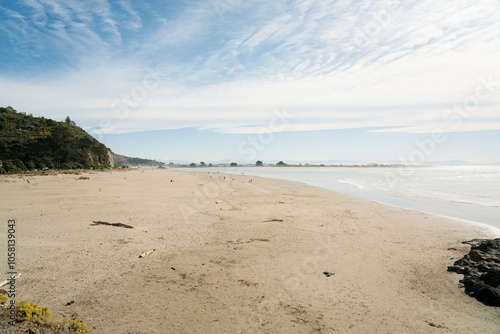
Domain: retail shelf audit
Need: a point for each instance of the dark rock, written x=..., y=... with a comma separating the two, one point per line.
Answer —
x=457, y=269
x=492, y=278
x=475, y=255
x=481, y=269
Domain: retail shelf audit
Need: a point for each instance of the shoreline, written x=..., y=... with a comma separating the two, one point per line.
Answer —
x=236, y=254
x=384, y=199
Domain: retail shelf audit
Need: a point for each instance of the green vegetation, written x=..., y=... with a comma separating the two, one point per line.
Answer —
x=121, y=160
x=32, y=318
x=33, y=313
x=28, y=143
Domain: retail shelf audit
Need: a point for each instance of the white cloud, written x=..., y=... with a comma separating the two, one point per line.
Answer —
x=333, y=65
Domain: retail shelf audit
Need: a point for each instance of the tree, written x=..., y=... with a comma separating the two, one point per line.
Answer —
x=281, y=164
x=34, y=142
x=20, y=165
x=192, y=164
x=30, y=165
x=259, y=163
x=202, y=163
x=233, y=164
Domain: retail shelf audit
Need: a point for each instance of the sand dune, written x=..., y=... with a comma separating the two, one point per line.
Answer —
x=235, y=257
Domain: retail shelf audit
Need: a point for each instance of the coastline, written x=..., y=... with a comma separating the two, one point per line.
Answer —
x=234, y=255
x=337, y=183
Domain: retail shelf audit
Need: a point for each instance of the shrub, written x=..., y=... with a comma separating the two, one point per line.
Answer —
x=30, y=165
x=10, y=167
x=27, y=311
x=3, y=299
x=75, y=326
x=41, y=316
x=20, y=165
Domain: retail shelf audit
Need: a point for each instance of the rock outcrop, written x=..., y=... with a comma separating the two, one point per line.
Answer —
x=481, y=270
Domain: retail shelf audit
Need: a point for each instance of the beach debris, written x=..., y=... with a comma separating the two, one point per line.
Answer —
x=71, y=302
x=430, y=323
x=328, y=273
x=83, y=178
x=272, y=220
x=98, y=222
x=8, y=280
x=144, y=254
x=281, y=202
x=247, y=283
x=481, y=270
x=240, y=242
x=172, y=268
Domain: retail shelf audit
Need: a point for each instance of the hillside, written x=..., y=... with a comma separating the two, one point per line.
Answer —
x=121, y=160
x=28, y=143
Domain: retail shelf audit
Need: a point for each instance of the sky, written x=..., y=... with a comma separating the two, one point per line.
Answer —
x=236, y=80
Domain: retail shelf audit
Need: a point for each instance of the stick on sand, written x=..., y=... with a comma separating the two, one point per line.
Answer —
x=8, y=280
x=146, y=253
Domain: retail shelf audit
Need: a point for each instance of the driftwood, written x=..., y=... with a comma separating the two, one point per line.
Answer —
x=95, y=223
x=8, y=280
x=272, y=220
x=146, y=253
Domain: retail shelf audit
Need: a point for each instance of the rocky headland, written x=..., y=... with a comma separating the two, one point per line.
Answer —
x=481, y=270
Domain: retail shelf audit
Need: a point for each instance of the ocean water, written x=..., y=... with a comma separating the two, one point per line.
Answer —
x=464, y=192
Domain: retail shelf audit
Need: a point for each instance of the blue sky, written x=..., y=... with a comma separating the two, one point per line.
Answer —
x=245, y=80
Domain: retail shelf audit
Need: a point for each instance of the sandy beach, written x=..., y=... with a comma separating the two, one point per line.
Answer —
x=234, y=254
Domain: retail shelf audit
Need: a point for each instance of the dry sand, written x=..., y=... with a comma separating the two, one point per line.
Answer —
x=233, y=256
